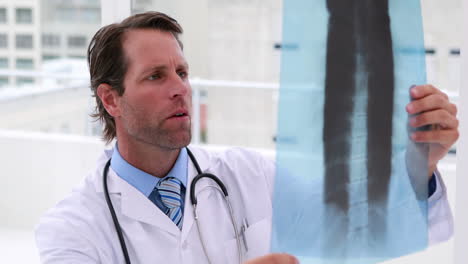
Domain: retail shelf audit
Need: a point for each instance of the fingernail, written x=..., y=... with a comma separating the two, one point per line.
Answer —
x=409, y=108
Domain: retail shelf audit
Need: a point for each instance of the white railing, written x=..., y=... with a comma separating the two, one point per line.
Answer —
x=43, y=75
x=67, y=81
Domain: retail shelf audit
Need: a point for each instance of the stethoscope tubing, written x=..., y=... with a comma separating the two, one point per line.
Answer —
x=222, y=188
x=118, y=229
x=193, y=200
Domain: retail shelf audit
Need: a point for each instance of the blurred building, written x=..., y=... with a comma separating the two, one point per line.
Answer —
x=236, y=41
x=442, y=26
x=67, y=26
x=32, y=31
x=19, y=38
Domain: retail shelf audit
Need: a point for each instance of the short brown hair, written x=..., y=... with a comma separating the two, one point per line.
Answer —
x=108, y=64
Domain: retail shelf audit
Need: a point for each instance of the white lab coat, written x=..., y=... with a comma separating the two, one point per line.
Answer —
x=79, y=229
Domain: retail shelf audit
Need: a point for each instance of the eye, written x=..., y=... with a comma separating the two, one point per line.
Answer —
x=154, y=76
x=183, y=74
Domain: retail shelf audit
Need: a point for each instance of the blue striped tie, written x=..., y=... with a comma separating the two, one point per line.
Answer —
x=169, y=190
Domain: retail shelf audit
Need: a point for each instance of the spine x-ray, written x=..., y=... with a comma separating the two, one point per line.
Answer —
x=350, y=186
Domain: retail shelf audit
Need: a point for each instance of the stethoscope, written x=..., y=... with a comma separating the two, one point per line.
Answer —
x=193, y=199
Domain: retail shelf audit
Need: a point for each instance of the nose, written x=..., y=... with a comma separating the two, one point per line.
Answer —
x=180, y=87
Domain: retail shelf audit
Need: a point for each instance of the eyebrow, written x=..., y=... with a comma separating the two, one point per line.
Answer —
x=163, y=67
x=154, y=69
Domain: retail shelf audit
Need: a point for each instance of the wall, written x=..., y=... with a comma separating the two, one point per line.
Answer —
x=38, y=170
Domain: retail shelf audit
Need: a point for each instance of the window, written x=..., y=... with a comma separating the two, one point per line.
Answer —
x=65, y=15
x=3, y=63
x=92, y=15
x=77, y=57
x=3, y=81
x=50, y=40
x=3, y=15
x=24, y=16
x=47, y=57
x=76, y=41
x=24, y=64
x=3, y=41
x=24, y=41
x=24, y=80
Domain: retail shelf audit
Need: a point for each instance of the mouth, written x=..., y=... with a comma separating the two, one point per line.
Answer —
x=182, y=113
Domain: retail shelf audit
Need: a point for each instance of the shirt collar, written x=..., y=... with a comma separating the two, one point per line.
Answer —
x=145, y=182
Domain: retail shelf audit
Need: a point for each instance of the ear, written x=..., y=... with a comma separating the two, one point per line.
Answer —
x=109, y=98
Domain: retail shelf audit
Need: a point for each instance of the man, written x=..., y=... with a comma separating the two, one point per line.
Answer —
x=139, y=77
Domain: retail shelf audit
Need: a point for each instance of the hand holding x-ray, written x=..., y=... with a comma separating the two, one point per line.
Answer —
x=432, y=107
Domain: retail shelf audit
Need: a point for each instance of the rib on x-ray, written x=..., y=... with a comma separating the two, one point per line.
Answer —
x=350, y=186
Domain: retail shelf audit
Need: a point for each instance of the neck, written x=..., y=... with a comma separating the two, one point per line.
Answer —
x=151, y=159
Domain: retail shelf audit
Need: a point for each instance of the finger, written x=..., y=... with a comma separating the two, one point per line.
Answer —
x=453, y=109
x=440, y=117
x=421, y=91
x=274, y=259
x=444, y=137
x=428, y=103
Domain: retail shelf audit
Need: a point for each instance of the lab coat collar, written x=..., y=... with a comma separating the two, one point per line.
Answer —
x=138, y=207
x=133, y=204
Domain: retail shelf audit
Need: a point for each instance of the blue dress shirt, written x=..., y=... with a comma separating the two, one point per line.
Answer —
x=145, y=182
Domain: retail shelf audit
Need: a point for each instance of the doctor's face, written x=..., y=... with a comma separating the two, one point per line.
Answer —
x=157, y=102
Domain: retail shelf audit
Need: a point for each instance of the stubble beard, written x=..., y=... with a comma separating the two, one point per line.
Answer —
x=157, y=136
x=146, y=130
x=169, y=139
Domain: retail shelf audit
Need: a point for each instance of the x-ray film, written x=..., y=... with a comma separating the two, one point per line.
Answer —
x=350, y=186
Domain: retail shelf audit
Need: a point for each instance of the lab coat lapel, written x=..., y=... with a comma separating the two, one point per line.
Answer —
x=137, y=206
x=203, y=160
